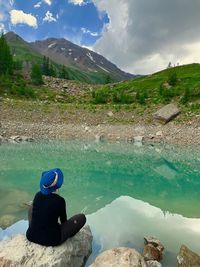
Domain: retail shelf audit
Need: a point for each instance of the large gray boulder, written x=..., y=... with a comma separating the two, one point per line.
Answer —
x=188, y=258
x=166, y=113
x=119, y=257
x=19, y=252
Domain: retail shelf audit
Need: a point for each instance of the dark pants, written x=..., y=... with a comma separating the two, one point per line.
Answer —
x=72, y=226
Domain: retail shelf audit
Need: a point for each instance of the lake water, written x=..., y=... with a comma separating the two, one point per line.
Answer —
x=127, y=191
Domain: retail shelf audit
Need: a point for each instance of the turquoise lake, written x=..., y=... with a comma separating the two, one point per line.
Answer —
x=127, y=191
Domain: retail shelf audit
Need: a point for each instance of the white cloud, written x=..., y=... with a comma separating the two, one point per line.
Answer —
x=2, y=28
x=86, y=31
x=78, y=2
x=5, y=7
x=37, y=5
x=48, y=2
x=19, y=17
x=49, y=17
x=143, y=36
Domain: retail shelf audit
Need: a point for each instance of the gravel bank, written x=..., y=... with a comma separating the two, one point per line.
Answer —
x=169, y=133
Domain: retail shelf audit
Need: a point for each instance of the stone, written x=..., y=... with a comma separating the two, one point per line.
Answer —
x=139, y=139
x=119, y=257
x=65, y=85
x=153, y=264
x=153, y=249
x=159, y=133
x=99, y=138
x=187, y=258
x=167, y=113
x=20, y=139
x=6, y=220
x=110, y=114
x=19, y=252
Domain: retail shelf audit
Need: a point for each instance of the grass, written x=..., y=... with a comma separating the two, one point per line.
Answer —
x=146, y=94
x=155, y=88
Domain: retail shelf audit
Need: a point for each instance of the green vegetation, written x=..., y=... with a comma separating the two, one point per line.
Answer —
x=36, y=75
x=180, y=84
x=6, y=60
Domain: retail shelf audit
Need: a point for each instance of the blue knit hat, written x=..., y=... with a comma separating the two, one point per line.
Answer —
x=51, y=180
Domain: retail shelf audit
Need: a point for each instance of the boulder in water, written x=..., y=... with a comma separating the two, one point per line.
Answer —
x=187, y=258
x=153, y=249
x=126, y=257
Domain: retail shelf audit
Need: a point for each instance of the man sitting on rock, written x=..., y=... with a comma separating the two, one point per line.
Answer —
x=47, y=208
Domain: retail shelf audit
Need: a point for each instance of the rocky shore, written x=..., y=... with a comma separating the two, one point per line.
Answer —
x=169, y=133
x=29, y=121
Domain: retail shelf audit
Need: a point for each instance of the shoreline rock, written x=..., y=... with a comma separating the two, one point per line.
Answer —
x=19, y=252
x=121, y=256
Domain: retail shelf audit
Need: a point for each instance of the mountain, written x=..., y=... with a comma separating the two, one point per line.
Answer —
x=82, y=64
x=22, y=50
x=65, y=52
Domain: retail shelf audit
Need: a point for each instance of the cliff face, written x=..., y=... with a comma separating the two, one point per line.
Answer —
x=19, y=252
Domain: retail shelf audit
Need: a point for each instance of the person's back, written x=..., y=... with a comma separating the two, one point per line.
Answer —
x=44, y=228
x=48, y=207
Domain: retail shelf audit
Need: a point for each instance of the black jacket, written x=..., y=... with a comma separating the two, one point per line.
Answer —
x=44, y=228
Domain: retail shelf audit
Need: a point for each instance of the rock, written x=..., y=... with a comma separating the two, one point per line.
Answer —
x=159, y=133
x=19, y=252
x=7, y=220
x=99, y=138
x=20, y=139
x=65, y=85
x=153, y=264
x=153, y=249
x=151, y=136
x=188, y=258
x=87, y=129
x=119, y=257
x=167, y=85
x=138, y=139
x=167, y=113
x=110, y=114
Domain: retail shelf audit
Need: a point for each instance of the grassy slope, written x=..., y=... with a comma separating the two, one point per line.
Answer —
x=188, y=78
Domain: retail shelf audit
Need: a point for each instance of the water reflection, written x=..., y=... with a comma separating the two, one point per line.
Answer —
x=95, y=174
x=126, y=221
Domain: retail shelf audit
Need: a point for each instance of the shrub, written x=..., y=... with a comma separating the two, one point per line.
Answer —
x=21, y=90
x=141, y=97
x=36, y=75
x=186, y=97
x=100, y=96
x=122, y=97
x=172, y=78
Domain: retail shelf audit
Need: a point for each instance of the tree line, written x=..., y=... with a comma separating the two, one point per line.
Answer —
x=8, y=65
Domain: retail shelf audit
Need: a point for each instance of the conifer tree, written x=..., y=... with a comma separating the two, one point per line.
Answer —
x=64, y=73
x=36, y=75
x=6, y=59
x=52, y=71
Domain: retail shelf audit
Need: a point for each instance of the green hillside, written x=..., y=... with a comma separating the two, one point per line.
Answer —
x=180, y=84
x=22, y=51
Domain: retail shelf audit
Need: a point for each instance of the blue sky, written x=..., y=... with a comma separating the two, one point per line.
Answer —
x=139, y=36
x=77, y=21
